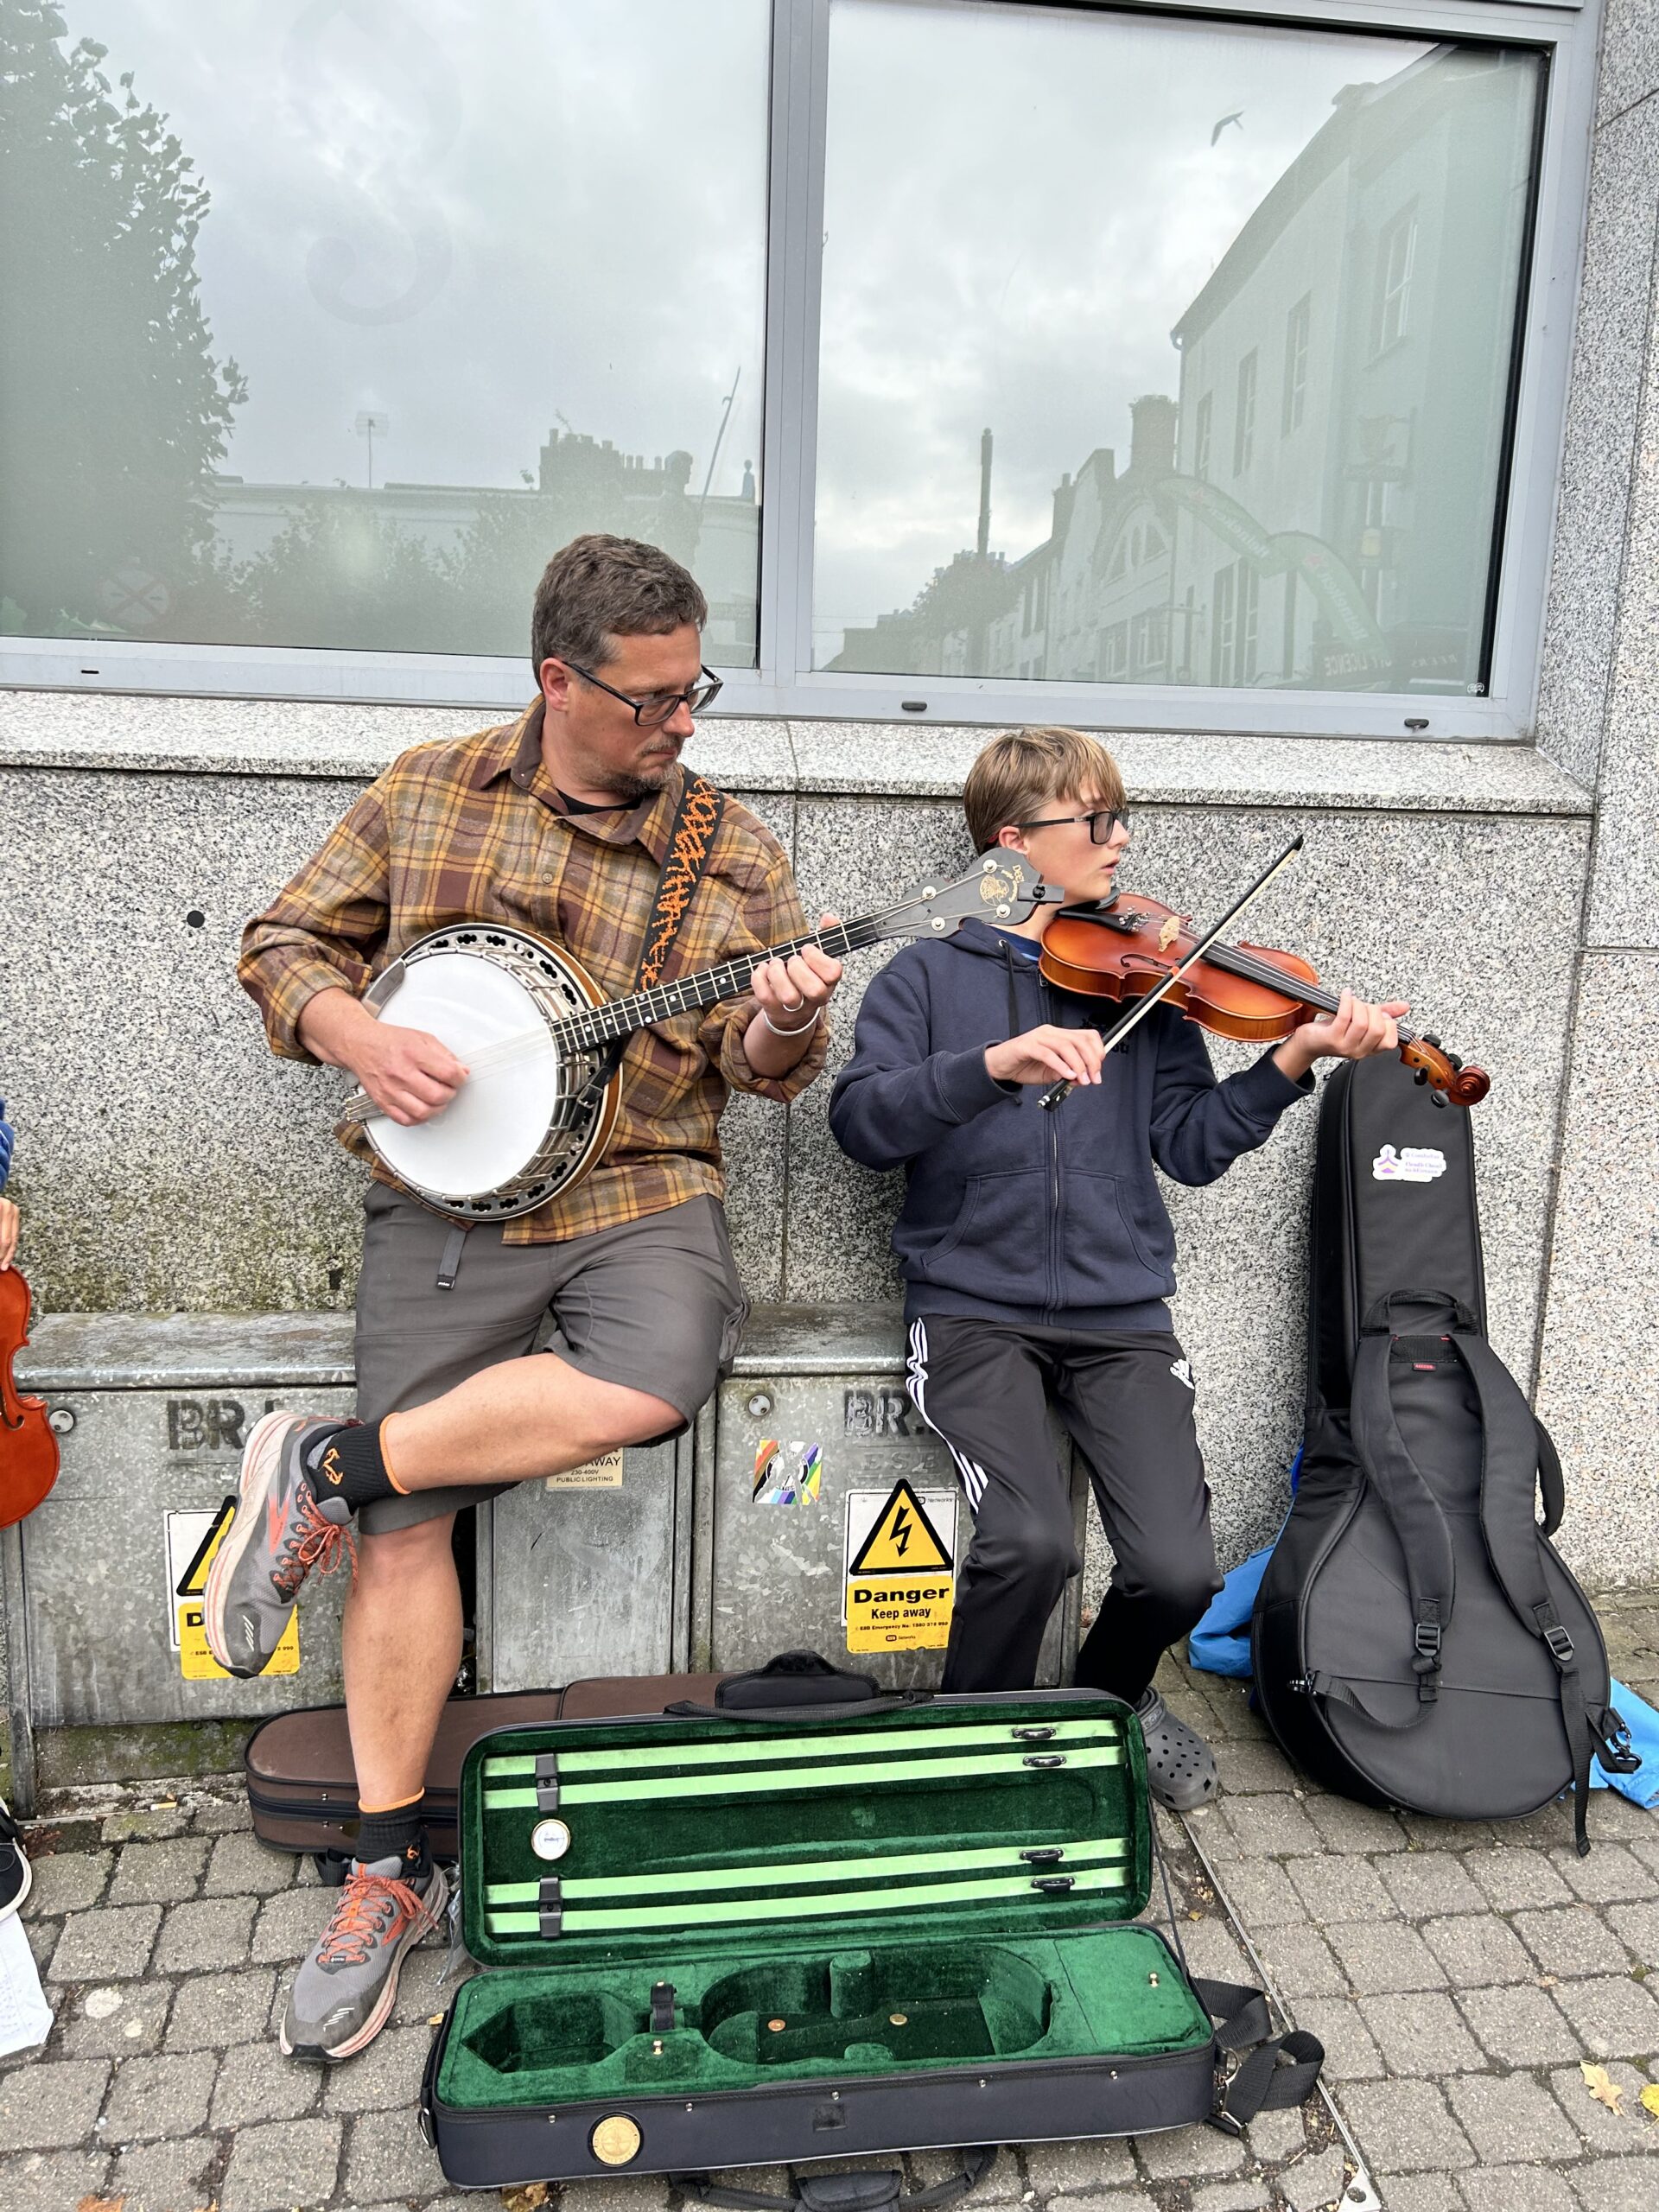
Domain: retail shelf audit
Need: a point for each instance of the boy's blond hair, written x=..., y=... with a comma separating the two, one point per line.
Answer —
x=1018, y=774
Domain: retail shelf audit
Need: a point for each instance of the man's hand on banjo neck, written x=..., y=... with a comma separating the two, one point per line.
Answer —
x=407, y=1072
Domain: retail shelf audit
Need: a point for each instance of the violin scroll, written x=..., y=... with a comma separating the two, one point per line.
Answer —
x=1446, y=1076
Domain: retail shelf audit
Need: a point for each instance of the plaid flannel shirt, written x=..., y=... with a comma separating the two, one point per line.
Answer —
x=472, y=829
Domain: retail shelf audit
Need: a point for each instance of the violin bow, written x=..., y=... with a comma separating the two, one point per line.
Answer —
x=1142, y=1006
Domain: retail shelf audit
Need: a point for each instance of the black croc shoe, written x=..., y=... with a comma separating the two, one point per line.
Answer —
x=15, y=1875
x=1181, y=1766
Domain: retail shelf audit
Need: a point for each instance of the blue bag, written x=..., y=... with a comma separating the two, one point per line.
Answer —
x=1220, y=1644
x=1642, y=1723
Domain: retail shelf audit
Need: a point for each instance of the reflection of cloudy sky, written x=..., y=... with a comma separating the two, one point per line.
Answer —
x=476, y=220
x=479, y=220
x=1020, y=203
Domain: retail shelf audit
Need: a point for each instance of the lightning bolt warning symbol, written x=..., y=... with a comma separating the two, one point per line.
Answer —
x=902, y=1539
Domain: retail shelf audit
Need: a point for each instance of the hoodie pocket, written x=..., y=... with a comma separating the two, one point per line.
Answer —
x=995, y=1246
x=1116, y=1240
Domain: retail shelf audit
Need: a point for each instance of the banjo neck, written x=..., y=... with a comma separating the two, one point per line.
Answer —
x=602, y=1025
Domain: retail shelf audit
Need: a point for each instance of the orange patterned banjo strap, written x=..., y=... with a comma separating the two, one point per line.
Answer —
x=689, y=846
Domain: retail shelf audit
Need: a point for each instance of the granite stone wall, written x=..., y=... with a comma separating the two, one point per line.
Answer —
x=169, y=1162
x=1599, y=715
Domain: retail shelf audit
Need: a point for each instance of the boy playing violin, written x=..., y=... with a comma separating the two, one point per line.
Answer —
x=1036, y=1250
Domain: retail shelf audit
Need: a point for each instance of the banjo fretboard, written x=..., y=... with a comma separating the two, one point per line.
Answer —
x=601, y=1025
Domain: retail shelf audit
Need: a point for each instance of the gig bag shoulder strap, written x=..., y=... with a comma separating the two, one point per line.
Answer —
x=1425, y=1540
x=1517, y=1459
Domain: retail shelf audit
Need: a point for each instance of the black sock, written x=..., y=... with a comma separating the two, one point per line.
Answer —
x=396, y=1834
x=347, y=1463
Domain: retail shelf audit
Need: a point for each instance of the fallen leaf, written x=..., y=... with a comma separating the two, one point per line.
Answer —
x=527, y=2199
x=1650, y=2099
x=1603, y=2088
x=100, y=2204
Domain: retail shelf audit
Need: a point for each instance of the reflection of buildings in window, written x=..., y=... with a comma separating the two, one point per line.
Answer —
x=1395, y=253
x=492, y=541
x=1244, y=416
x=1297, y=328
x=1353, y=554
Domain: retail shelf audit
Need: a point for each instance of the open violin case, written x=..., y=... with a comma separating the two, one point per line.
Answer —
x=764, y=1933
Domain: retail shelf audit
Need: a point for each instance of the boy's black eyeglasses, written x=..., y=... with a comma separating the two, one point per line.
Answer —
x=1102, y=821
x=657, y=707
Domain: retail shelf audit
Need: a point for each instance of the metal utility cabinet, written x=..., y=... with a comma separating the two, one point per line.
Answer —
x=715, y=1550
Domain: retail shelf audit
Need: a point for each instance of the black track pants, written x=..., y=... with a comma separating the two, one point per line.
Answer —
x=1126, y=1402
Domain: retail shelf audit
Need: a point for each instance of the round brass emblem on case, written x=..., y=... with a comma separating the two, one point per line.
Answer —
x=549, y=1838
x=615, y=2140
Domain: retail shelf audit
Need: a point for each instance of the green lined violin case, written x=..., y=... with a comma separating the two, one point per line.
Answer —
x=758, y=1933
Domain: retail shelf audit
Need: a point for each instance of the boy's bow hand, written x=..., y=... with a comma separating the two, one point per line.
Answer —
x=1045, y=1054
x=1354, y=1032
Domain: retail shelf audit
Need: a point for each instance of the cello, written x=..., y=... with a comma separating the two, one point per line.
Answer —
x=28, y=1447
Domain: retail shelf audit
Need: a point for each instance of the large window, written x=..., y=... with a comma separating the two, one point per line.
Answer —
x=324, y=325
x=983, y=359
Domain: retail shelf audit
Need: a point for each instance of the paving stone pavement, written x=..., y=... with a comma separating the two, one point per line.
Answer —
x=1457, y=1974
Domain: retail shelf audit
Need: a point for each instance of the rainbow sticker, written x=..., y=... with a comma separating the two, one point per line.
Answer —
x=787, y=1474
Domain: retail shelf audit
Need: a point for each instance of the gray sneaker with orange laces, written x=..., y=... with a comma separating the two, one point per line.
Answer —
x=344, y=1990
x=282, y=1529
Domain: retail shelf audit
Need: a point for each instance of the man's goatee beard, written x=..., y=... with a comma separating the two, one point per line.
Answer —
x=635, y=787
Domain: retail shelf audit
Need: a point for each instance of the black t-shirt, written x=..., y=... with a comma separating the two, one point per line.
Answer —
x=592, y=806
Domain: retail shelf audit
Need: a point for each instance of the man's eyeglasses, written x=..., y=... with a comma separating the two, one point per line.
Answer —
x=657, y=707
x=1102, y=821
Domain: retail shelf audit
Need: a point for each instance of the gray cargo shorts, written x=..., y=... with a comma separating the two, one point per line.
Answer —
x=655, y=1306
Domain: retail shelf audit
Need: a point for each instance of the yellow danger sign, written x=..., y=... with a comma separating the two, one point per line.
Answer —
x=192, y=1540
x=900, y=1580
x=903, y=1542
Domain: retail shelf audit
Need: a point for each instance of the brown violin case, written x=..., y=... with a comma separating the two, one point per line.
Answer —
x=756, y=1931
x=303, y=1786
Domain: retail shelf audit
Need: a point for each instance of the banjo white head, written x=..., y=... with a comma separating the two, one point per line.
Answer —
x=494, y=1009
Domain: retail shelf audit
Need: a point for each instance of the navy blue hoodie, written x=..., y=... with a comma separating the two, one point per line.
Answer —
x=1012, y=1213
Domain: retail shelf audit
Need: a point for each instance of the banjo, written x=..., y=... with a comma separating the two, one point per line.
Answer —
x=538, y=1040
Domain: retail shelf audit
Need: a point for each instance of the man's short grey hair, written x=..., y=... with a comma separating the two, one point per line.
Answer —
x=598, y=588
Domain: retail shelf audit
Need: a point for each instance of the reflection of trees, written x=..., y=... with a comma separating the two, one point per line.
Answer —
x=343, y=573
x=113, y=412
x=339, y=576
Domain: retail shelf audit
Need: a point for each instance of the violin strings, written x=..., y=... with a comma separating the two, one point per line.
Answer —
x=1239, y=963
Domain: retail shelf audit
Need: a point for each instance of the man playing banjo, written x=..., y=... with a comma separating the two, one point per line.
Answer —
x=560, y=824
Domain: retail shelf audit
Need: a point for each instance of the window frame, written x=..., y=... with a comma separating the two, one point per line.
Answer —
x=783, y=683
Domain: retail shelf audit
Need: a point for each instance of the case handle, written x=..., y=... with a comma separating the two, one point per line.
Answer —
x=846, y=2192
x=793, y=1680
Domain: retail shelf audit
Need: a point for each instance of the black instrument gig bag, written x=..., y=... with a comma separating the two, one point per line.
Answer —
x=758, y=1932
x=1417, y=1641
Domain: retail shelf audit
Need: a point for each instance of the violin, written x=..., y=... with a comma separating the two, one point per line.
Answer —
x=1129, y=946
x=28, y=1447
